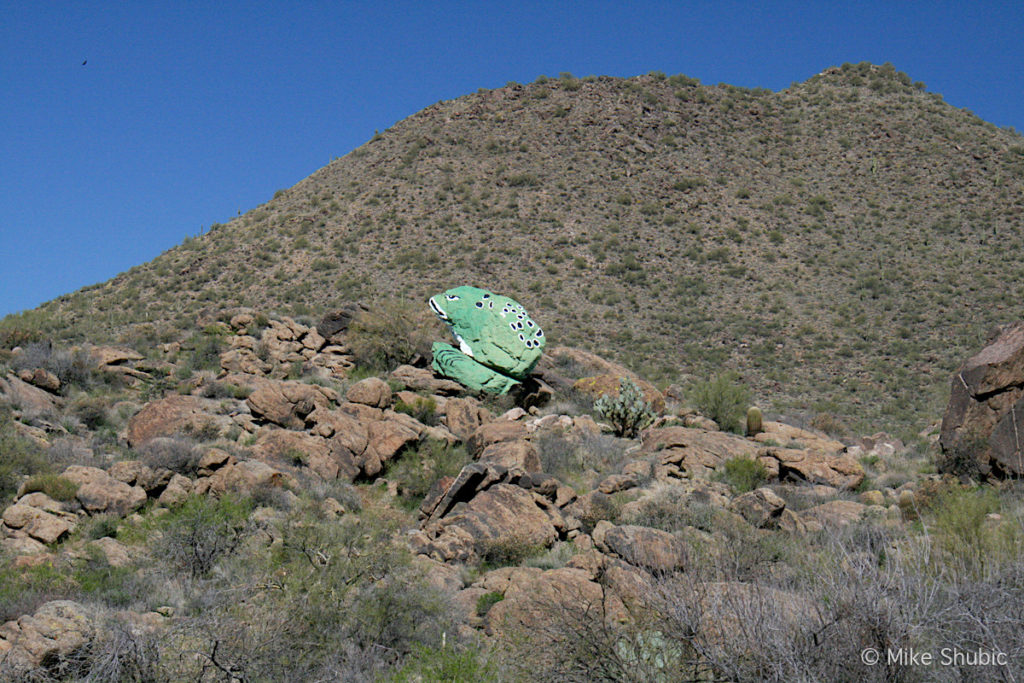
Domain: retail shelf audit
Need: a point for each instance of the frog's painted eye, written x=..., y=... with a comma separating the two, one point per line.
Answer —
x=487, y=296
x=522, y=338
x=512, y=325
x=452, y=297
x=529, y=323
x=479, y=304
x=540, y=332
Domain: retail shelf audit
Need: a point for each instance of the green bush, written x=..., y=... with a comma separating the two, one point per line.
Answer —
x=486, y=601
x=53, y=485
x=394, y=332
x=446, y=664
x=424, y=409
x=203, y=530
x=417, y=470
x=628, y=413
x=743, y=474
x=506, y=551
x=18, y=457
x=723, y=400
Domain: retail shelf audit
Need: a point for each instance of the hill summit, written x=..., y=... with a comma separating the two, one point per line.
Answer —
x=840, y=243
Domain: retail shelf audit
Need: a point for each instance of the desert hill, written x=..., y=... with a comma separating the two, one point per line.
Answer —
x=841, y=243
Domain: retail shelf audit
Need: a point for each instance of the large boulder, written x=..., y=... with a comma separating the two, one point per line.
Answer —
x=696, y=451
x=29, y=399
x=651, y=549
x=173, y=415
x=57, y=629
x=502, y=514
x=287, y=403
x=498, y=342
x=983, y=427
x=99, y=493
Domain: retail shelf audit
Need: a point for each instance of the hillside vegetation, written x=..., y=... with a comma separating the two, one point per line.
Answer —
x=841, y=244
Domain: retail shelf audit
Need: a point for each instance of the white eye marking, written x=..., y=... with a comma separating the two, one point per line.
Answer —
x=452, y=297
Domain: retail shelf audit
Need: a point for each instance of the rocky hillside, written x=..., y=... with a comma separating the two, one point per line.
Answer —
x=255, y=502
x=840, y=243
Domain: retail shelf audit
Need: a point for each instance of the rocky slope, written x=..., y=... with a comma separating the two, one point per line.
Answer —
x=840, y=243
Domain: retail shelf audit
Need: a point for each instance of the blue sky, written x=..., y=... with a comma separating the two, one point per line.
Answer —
x=188, y=112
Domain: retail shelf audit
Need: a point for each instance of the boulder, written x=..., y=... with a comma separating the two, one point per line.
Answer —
x=44, y=379
x=516, y=454
x=173, y=415
x=38, y=524
x=494, y=432
x=983, y=427
x=336, y=322
x=837, y=470
x=286, y=403
x=244, y=478
x=328, y=458
x=651, y=549
x=388, y=437
x=760, y=507
x=463, y=416
x=835, y=513
x=100, y=493
x=696, y=451
x=420, y=379
x=498, y=342
x=503, y=513
x=371, y=391
x=30, y=400
x=56, y=630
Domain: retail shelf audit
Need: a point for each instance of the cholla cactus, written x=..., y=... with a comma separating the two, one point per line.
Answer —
x=628, y=413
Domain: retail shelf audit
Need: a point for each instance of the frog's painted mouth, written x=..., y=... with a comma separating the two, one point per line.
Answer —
x=437, y=310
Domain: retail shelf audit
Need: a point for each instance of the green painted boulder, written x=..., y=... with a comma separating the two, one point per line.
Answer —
x=498, y=342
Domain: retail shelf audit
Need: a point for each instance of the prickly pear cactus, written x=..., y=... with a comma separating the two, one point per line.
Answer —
x=499, y=344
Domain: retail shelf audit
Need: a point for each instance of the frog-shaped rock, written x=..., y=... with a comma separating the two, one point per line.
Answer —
x=499, y=344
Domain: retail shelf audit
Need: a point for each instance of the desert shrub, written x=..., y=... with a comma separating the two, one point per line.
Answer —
x=722, y=399
x=422, y=408
x=963, y=458
x=417, y=470
x=53, y=485
x=394, y=332
x=743, y=474
x=628, y=413
x=204, y=348
x=173, y=453
x=90, y=410
x=203, y=530
x=447, y=664
x=486, y=601
x=506, y=551
x=101, y=526
x=967, y=540
x=18, y=457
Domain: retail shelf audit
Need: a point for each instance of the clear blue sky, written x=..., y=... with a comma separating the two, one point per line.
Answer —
x=188, y=112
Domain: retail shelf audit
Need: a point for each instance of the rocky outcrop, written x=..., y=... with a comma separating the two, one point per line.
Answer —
x=608, y=385
x=56, y=630
x=100, y=493
x=174, y=415
x=28, y=399
x=650, y=549
x=983, y=427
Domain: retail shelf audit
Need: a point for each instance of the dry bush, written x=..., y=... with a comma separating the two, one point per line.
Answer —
x=393, y=332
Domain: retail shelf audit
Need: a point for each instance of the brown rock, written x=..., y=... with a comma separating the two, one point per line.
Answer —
x=464, y=415
x=329, y=459
x=501, y=514
x=178, y=489
x=760, y=507
x=29, y=399
x=286, y=403
x=244, y=361
x=371, y=391
x=618, y=482
x=113, y=355
x=43, y=526
x=608, y=385
x=518, y=454
x=419, y=379
x=173, y=415
x=115, y=552
x=388, y=437
x=247, y=476
x=697, y=451
x=98, y=492
x=834, y=513
x=44, y=379
x=780, y=434
x=337, y=321
x=494, y=432
x=838, y=471
x=651, y=549
x=57, y=629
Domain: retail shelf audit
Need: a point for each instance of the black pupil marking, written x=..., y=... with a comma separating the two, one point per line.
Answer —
x=479, y=304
